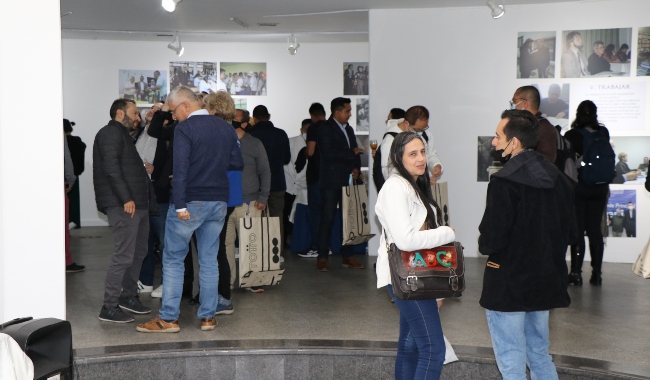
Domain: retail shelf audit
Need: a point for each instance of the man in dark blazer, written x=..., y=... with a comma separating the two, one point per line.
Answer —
x=339, y=158
x=123, y=192
x=629, y=220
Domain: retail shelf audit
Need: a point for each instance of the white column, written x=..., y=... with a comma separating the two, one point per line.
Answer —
x=32, y=274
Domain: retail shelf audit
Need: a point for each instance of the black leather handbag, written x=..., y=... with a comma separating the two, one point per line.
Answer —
x=427, y=273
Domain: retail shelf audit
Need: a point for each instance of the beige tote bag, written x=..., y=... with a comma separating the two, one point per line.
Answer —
x=642, y=265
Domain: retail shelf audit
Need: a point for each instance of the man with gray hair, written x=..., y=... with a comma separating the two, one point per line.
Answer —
x=598, y=64
x=205, y=148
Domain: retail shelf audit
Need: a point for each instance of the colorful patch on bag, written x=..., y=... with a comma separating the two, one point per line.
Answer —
x=439, y=258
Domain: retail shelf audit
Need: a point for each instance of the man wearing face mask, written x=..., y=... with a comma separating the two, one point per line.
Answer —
x=527, y=225
x=527, y=98
x=629, y=221
x=416, y=120
x=123, y=192
x=296, y=182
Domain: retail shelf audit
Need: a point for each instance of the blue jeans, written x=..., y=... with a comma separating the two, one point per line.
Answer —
x=314, y=204
x=521, y=338
x=156, y=229
x=206, y=219
x=421, y=345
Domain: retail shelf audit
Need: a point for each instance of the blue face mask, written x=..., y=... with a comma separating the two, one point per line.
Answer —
x=513, y=106
x=419, y=133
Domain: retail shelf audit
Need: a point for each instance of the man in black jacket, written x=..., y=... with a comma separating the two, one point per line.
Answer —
x=527, y=225
x=122, y=192
x=629, y=220
x=339, y=157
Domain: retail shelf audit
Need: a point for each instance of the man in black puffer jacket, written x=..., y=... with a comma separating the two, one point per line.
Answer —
x=123, y=192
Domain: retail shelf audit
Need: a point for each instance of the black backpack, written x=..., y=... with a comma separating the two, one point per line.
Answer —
x=598, y=159
x=377, y=175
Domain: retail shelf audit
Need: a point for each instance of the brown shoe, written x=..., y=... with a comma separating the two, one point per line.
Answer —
x=208, y=324
x=158, y=325
x=352, y=263
x=321, y=265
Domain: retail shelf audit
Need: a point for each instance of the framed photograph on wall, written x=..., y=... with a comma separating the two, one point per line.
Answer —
x=245, y=78
x=199, y=76
x=643, y=52
x=487, y=162
x=363, y=115
x=554, y=104
x=621, y=213
x=595, y=53
x=355, y=78
x=145, y=87
x=536, y=55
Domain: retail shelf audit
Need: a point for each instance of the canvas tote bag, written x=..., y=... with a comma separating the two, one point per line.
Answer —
x=642, y=265
x=356, y=217
x=260, y=249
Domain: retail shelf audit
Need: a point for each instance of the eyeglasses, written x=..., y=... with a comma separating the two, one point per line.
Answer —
x=174, y=110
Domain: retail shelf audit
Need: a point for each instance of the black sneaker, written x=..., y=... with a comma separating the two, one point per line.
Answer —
x=133, y=305
x=115, y=315
x=74, y=267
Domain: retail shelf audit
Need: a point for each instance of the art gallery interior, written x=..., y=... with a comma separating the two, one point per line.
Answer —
x=450, y=56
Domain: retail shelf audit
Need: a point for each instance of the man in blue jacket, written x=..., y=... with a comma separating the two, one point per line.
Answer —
x=205, y=148
x=528, y=223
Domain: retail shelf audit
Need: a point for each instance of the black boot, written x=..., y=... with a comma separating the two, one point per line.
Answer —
x=596, y=279
x=575, y=279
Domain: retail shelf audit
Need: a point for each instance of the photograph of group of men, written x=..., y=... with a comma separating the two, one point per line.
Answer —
x=621, y=213
x=355, y=78
x=145, y=87
x=643, y=54
x=536, y=55
x=596, y=52
x=199, y=76
x=248, y=79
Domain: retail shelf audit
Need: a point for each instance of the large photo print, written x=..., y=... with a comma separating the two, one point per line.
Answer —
x=249, y=79
x=199, y=76
x=355, y=78
x=145, y=87
x=596, y=53
x=536, y=55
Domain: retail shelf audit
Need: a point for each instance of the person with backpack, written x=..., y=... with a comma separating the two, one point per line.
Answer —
x=590, y=141
x=416, y=120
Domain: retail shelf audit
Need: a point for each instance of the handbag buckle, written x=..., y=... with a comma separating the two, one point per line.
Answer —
x=412, y=281
x=453, y=279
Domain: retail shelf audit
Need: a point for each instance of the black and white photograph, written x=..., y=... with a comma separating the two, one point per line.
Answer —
x=245, y=78
x=199, y=76
x=554, y=104
x=363, y=142
x=536, y=55
x=487, y=159
x=621, y=213
x=355, y=78
x=632, y=154
x=596, y=53
x=643, y=52
x=145, y=87
x=363, y=115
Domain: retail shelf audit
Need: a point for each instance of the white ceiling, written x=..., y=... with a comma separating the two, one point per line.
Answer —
x=209, y=20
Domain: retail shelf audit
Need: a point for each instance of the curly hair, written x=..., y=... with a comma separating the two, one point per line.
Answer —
x=220, y=103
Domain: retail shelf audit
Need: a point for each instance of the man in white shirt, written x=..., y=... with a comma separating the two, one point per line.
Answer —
x=296, y=182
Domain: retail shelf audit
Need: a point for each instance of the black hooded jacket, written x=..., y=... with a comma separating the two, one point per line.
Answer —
x=528, y=223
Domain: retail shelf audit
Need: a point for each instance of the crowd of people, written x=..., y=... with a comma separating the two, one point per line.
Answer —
x=198, y=165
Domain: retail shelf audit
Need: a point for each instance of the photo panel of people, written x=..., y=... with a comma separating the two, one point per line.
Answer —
x=363, y=115
x=621, y=213
x=363, y=142
x=595, y=53
x=643, y=52
x=355, y=78
x=487, y=159
x=365, y=177
x=241, y=103
x=245, y=78
x=554, y=104
x=536, y=55
x=199, y=76
x=632, y=154
x=145, y=87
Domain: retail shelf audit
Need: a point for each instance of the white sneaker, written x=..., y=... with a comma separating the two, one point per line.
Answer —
x=310, y=253
x=72, y=226
x=157, y=293
x=144, y=288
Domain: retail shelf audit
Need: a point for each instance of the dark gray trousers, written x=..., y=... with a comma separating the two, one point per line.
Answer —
x=275, y=207
x=131, y=236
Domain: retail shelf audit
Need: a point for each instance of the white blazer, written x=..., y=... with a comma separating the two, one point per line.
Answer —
x=402, y=214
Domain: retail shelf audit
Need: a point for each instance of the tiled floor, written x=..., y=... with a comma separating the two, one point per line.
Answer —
x=607, y=323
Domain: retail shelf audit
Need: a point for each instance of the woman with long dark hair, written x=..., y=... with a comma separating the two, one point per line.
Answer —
x=411, y=220
x=590, y=201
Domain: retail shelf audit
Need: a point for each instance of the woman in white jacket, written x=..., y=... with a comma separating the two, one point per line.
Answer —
x=411, y=220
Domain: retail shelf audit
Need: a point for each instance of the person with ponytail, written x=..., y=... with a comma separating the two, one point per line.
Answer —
x=411, y=220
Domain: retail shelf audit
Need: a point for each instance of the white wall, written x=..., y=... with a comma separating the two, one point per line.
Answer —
x=32, y=274
x=90, y=83
x=461, y=64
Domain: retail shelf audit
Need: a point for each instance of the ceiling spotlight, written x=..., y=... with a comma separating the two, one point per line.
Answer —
x=176, y=46
x=293, y=45
x=239, y=22
x=497, y=10
x=170, y=5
